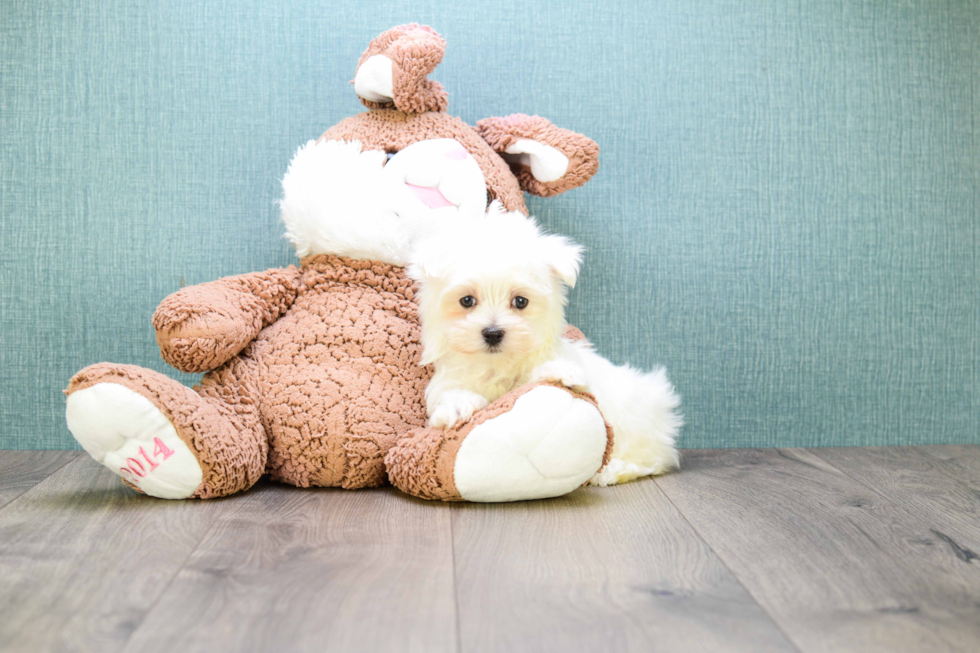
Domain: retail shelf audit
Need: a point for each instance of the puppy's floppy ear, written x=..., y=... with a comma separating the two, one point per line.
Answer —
x=547, y=160
x=564, y=257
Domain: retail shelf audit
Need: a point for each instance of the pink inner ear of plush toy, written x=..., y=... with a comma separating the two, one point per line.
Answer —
x=431, y=197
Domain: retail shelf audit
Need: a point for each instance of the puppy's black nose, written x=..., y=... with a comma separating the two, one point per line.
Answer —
x=493, y=335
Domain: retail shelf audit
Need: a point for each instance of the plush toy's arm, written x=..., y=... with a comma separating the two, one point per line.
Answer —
x=201, y=327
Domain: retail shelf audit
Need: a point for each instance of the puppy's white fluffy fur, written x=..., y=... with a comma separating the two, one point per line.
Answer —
x=496, y=259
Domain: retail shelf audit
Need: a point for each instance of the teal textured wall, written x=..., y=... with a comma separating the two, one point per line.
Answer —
x=786, y=215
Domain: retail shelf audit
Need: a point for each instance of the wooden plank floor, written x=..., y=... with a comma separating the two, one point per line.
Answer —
x=743, y=550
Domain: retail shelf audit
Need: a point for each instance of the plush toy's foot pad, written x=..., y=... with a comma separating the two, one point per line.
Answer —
x=536, y=442
x=124, y=431
x=548, y=444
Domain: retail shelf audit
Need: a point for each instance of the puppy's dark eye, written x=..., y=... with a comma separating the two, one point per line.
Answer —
x=468, y=302
x=520, y=303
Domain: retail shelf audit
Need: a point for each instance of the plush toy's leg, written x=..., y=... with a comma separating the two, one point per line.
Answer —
x=536, y=442
x=167, y=440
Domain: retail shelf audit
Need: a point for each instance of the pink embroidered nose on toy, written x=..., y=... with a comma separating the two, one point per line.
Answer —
x=431, y=197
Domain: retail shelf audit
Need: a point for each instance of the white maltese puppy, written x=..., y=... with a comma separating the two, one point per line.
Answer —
x=493, y=293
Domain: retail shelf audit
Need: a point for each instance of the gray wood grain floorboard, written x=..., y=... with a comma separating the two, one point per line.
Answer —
x=602, y=569
x=82, y=559
x=959, y=460
x=313, y=570
x=919, y=483
x=22, y=470
x=837, y=566
x=840, y=549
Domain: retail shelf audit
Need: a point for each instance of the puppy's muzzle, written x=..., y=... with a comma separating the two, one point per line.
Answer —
x=493, y=336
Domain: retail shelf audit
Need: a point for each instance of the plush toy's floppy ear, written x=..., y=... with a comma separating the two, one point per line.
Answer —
x=546, y=159
x=394, y=69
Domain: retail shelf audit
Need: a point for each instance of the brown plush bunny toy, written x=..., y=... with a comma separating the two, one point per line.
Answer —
x=312, y=372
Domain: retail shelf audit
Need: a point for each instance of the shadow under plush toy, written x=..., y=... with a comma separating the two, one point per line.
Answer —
x=312, y=372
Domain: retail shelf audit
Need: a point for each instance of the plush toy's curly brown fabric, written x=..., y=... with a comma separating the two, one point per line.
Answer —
x=343, y=374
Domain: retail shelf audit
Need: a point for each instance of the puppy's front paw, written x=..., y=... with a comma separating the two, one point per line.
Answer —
x=454, y=407
x=564, y=372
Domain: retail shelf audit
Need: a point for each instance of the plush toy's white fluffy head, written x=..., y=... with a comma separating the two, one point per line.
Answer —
x=493, y=286
x=338, y=199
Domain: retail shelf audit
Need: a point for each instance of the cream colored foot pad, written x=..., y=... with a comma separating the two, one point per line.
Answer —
x=547, y=445
x=125, y=432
